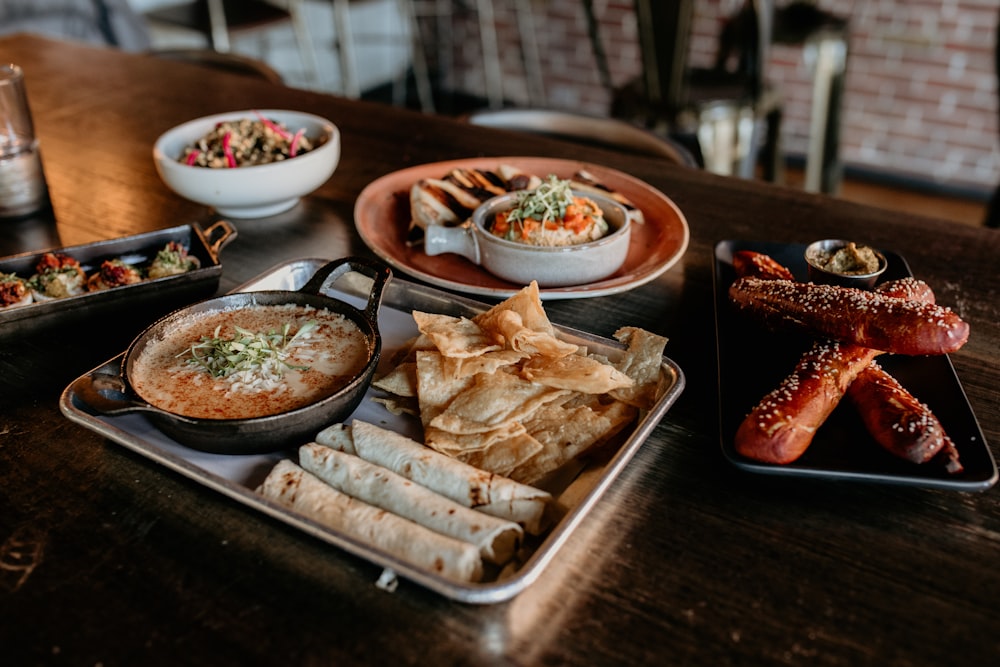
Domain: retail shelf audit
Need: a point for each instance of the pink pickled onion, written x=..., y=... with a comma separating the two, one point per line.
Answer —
x=294, y=148
x=274, y=128
x=192, y=157
x=227, y=151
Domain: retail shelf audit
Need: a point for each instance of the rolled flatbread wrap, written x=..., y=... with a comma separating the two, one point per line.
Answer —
x=497, y=539
x=465, y=484
x=299, y=490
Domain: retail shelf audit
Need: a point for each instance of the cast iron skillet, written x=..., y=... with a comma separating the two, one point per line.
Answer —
x=113, y=394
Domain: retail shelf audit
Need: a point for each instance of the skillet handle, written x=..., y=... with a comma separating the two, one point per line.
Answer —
x=327, y=274
x=106, y=393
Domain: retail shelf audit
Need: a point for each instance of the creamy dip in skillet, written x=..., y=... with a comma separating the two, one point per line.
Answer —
x=320, y=353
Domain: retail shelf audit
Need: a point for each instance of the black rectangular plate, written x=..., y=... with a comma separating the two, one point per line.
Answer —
x=753, y=362
x=163, y=293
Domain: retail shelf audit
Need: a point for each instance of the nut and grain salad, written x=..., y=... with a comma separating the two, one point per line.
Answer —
x=246, y=142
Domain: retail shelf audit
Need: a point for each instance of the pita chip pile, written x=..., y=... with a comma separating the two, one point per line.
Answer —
x=503, y=393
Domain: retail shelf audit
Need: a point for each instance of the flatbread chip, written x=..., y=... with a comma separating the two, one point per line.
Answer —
x=492, y=400
x=575, y=372
x=566, y=433
x=456, y=444
x=490, y=362
x=527, y=303
x=454, y=336
x=399, y=405
x=435, y=386
x=527, y=340
x=506, y=457
x=500, y=451
x=504, y=393
x=400, y=381
x=641, y=362
x=408, y=351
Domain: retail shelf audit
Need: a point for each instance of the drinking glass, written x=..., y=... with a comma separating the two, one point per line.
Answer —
x=22, y=181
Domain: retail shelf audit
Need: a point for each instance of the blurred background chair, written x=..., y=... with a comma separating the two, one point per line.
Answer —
x=229, y=62
x=219, y=21
x=824, y=40
x=429, y=25
x=105, y=22
x=589, y=130
x=731, y=112
x=346, y=37
x=728, y=113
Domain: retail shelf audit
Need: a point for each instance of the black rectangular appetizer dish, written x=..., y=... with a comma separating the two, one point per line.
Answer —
x=135, y=255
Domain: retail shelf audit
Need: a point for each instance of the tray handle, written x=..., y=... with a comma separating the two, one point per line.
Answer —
x=216, y=237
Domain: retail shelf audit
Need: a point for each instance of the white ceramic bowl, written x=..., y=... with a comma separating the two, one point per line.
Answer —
x=249, y=192
x=520, y=263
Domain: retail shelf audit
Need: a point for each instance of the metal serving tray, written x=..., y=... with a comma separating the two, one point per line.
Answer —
x=239, y=476
x=140, y=250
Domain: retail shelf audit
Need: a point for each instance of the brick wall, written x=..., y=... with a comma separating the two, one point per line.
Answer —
x=921, y=87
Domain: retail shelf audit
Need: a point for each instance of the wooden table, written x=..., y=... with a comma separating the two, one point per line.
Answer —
x=108, y=559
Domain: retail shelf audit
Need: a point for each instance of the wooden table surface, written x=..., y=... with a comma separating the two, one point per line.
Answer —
x=106, y=558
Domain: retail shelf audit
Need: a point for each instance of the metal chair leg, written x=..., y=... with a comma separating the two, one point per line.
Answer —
x=219, y=27
x=345, y=49
x=830, y=57
x=303, y=38
x=491, y=54
x=421, y=73
x=529, y=51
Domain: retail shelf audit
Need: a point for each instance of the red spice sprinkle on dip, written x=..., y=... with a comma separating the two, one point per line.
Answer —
x=251, y=362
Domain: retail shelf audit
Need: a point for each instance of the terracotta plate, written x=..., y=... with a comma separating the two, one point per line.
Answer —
x=382, y=218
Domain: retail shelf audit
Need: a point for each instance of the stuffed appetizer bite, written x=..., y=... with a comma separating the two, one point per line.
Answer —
x=57, y=275
x=14, y=291
x=172, y=260
x=113, y=273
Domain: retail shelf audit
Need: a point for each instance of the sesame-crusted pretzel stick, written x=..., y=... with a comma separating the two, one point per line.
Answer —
x=899, y=422
x=851, y=315
x=781, y=427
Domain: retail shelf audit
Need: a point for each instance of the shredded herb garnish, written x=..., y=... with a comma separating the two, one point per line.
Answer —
x=548, y=202
x=247, y=351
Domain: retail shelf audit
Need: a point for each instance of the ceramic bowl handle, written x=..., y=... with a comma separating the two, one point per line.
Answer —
x=459, y=240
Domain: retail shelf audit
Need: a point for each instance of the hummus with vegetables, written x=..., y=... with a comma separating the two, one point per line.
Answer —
x=550, y=215
x=251, y=362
